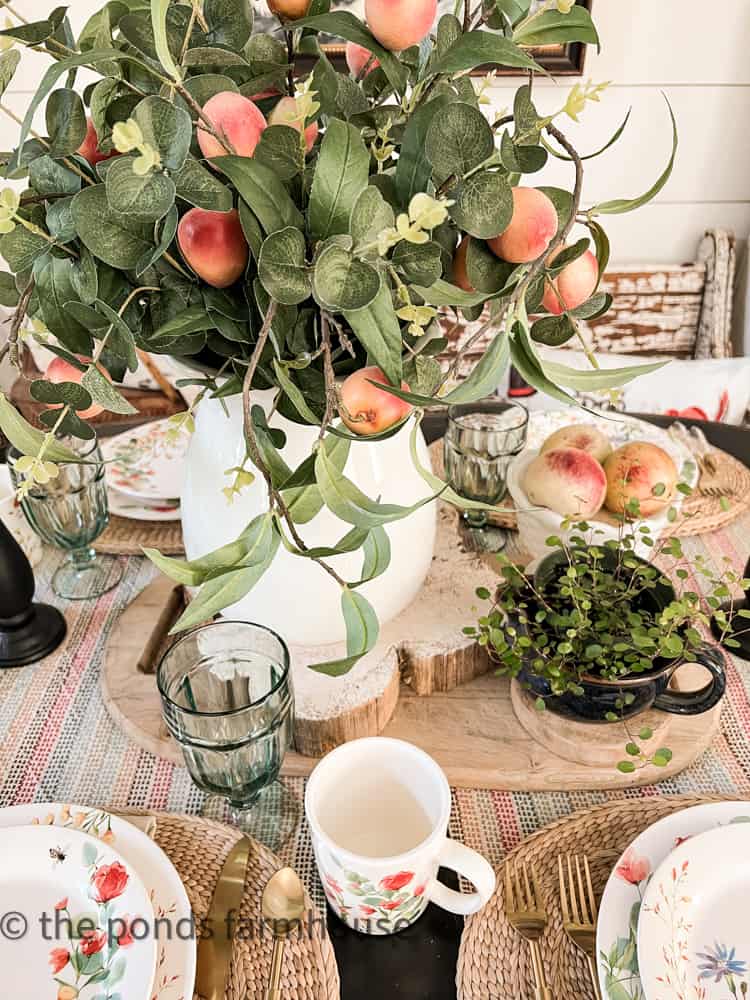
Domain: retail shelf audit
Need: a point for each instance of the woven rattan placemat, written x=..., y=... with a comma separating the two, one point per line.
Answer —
x=493, y=962
x=127, y=537
x=198, y=848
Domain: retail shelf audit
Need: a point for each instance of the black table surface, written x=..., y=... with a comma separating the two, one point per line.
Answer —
x=420, y=963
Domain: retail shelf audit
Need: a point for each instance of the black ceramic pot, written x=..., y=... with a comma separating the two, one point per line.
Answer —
x=649, y=689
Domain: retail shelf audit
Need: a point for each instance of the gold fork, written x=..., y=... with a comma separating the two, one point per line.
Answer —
x=580, y=911
x=524, y=908
x=712, y=482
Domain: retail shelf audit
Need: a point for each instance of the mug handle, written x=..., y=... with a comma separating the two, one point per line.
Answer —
x=472, y=866
x=698, y=702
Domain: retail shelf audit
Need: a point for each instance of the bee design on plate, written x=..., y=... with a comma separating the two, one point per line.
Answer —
x=58, y=855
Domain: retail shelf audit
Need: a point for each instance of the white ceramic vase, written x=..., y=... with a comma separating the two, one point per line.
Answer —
x=295, y=597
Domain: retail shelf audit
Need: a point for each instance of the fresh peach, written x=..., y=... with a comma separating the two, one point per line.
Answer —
x=398, y=24
x=531, y=230
x=290, y=10
x=368, y=410
x=89, y=148
x=582, y=436
x=60, y=370
x=567, y=480
x=214, y=245
x=460, y=273
x=357, y=57
x=285, y=113
x=574, y=284
x=237, y=119
x=641, y=471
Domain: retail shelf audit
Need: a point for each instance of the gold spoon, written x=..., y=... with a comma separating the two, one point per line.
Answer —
x=282, y=906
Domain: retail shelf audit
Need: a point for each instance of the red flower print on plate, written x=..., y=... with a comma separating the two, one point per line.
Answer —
x=93, y=942
x=333, y=883
x=58, y=959
x=367, y=911
x=123, y=935
x=396, y=882
x=62, y=905
x=109, y=881
x=393, y=905
x=419, y=891
x=633, y=869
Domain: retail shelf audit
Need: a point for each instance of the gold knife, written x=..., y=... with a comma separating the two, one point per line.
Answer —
x=221, y=928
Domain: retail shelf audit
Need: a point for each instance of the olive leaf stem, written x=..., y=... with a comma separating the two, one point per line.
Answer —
x=10, y=347
x=276, y=499
x=177, y=266
x=38, y=231
x=330, y=378
x=191, y=24
x=70, y=165
x=206, y=124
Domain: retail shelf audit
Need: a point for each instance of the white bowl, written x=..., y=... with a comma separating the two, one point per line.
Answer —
x=537, y=524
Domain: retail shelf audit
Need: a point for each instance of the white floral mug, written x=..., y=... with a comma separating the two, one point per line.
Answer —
x=378, y=811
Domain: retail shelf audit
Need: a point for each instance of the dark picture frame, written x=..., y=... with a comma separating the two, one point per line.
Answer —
x=560, y=60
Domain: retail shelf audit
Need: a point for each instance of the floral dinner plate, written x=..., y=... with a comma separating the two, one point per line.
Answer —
x=72, y=913
x=693, y=933
x=176, y=956
x=138, y=510
x=147, y=462
x=617, y=928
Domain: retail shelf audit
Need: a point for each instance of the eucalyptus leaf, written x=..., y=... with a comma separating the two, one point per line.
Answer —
x=341, y=175
x=282, y=269
x=66, y=122
x=169, y=229
x=198, y=186
x=52, y=177
x=370, y=215
x=206, y=85
x=60, y=222
x=553, y=331
x=230, y=22
x=487, y=273
x=9, y=294
x=280, y=150
x=167, y=128
x=34, y=32
x=458, y=140
x=117, y=239
x=341, y=282
x=594, y=307
x=55, y=285
x=146, y=197
x=421, y=263
x=378, y=329
x=484, y=204
x=263, y=192
x=20, y=248
x=63, y=393
x=103, y=392
x=206, y=55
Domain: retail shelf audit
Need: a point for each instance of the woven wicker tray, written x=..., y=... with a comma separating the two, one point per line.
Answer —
x=198, y=848
x=126, y=537
x=493, y=962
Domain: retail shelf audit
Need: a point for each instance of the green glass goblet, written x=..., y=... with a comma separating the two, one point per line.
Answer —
x=70, y=512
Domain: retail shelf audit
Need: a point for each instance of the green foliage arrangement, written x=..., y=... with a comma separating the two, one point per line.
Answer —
x=602, y=615
x=350, y=243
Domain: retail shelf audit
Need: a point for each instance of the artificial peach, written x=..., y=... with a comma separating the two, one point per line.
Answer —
x=397, y=24
x=291, y=10
x=60, y=370
x=89, y=148
x=214, y=245
x=368, y=410
x=357, y=57
x=532, y=227
x=235, y=118
x=574, y=284
x=286, y=113
x=640, y=471
x=460, y=274
x=567, y=480
x=582, y=436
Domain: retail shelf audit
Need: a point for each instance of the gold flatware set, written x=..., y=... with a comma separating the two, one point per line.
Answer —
x=526, y=912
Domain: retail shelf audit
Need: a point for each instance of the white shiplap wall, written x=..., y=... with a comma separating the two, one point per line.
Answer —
x=648, y=47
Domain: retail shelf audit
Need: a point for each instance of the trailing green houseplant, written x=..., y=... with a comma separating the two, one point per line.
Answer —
x=597, y=632
x=342, y=218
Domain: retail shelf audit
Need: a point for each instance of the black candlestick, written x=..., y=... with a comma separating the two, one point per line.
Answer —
x=28, y=631
x=739, y=624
